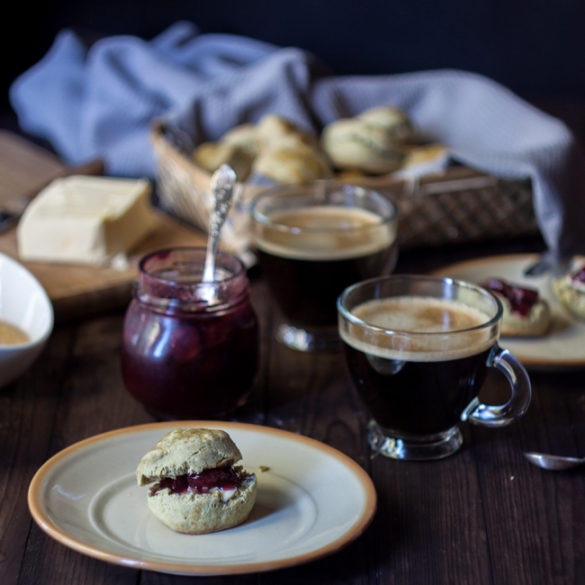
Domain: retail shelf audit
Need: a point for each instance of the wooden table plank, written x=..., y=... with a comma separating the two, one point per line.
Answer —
x=483, y=516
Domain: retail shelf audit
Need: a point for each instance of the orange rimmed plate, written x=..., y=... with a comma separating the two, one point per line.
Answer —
x=312, y=500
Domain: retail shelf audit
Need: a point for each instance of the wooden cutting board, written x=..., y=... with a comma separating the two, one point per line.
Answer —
x=75, y=290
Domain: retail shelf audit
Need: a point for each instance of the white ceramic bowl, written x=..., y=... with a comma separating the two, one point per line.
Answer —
x=25, y=304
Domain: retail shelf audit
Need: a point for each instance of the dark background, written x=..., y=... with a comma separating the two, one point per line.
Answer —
x=535, y=47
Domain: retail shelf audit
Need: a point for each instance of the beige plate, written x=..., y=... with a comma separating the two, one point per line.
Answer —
x=311, y=501
x=564, y=346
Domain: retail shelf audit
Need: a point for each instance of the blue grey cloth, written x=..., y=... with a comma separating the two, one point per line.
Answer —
x=101, y=101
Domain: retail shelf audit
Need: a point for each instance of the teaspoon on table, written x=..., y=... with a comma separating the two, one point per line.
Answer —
x=554, y=462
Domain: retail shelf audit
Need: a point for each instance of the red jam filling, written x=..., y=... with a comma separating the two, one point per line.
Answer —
x=521, y=299
x=579, y=276
x=223, y=478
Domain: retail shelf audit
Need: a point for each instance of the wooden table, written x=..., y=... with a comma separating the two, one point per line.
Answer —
x=483, y=516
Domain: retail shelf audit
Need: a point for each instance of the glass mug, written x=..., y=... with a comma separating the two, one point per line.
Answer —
x=312, y=241
x=418, y=349
x=190, y=349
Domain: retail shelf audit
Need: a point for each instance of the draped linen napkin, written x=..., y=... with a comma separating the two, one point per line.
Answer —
x=100, y=102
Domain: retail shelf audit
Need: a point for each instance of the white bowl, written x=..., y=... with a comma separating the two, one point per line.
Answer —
x=25, y=304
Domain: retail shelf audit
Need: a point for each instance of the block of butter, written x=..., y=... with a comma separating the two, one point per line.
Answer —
x=86, y=220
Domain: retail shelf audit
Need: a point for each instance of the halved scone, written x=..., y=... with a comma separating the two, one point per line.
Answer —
x=195, y=486
x=570, y=290
x=526, y=313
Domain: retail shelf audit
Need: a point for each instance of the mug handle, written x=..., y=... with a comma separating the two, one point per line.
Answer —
x=499, y=416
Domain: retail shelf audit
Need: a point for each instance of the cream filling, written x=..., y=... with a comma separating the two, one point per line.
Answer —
x=571, y=296
x=537, y=312
x=226, y=495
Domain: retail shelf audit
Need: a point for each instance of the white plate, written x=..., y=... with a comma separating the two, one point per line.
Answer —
x=564, y=346
x=311, y=501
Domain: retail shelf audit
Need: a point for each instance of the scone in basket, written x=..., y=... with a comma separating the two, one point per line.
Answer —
x=457, y=204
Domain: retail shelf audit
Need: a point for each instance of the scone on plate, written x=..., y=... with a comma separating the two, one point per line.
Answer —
x=570, y=290
x=195, y=486
x=526, y=313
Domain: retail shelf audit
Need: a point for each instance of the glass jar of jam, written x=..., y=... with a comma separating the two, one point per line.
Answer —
x=190, y=349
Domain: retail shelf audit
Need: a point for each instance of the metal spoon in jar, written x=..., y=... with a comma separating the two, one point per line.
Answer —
x=222, y=188
x=554, y=462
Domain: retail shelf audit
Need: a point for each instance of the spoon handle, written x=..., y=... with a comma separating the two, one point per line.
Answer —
x=222, y=188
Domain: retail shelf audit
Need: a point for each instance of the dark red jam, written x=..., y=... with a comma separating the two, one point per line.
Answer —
x=578, y=276
x=190, y=350
x=521, y=299
x=223, y=478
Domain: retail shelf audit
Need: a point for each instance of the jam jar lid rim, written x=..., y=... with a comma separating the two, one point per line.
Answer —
x=238, y=279
x=241, y=268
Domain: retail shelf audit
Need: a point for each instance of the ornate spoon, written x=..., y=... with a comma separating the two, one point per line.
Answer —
x=222, y=188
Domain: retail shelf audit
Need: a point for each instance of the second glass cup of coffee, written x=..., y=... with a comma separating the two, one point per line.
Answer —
x=312, y=241
x=418, y=349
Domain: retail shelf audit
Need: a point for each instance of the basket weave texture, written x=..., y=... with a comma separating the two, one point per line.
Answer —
x=457, y=205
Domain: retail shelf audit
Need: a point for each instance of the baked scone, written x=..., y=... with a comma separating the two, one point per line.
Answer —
x=352, y=143
x=570, y=290
x=211, y=155
x=292, y=163
x=392, y=120
x=196, y=486
x=272, y=130
x=526, y=313
x=433, y=154
x=244, y=136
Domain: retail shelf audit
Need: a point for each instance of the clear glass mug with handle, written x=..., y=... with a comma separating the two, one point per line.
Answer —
x=418, y=349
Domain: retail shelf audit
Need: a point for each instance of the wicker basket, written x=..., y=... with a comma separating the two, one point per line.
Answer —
x=457, y=205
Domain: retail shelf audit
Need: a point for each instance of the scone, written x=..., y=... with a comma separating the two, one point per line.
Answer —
x=392, y=120
x=272, y=130
x=351, y=143
x=195, y=487
x=292, y=163
x=570, y=290
x=433, y=155
x=526, y=314
x=244, y=136
x=211, y=155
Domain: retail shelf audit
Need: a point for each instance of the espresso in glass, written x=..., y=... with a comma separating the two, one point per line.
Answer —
x=418, y=350
x=313, y=241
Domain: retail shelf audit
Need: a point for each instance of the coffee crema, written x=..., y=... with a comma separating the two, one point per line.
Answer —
x=12, y=335
x=325, y=232
x=319, y=252
x=426, y=329
x=424, y=364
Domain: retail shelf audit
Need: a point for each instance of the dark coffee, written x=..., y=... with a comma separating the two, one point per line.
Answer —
x=417, y=384
x=333, y=247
